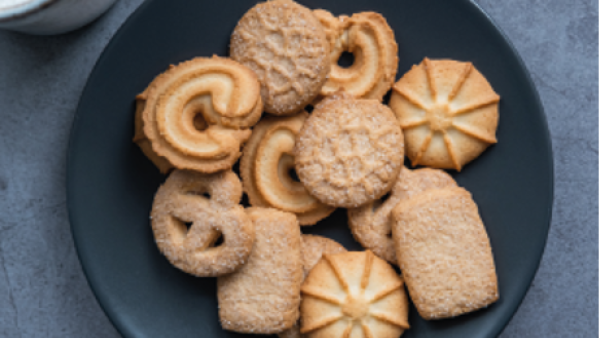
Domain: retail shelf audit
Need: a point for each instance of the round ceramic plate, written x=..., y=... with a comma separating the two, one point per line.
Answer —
x=110, y=184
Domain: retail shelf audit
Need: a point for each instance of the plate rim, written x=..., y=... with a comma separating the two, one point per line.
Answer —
x=113, y=316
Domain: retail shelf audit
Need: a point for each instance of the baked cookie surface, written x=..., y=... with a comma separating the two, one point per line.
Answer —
x=448, y=112
x=349, y=151
x=265, y=169
x=197, y=114
x=444, y=253
x=354, y=294
x=371, y=41
x=284, y=44
x=371, y=224
x=264, y=294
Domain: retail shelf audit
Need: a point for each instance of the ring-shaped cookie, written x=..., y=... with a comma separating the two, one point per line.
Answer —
x=196, y=115
x=265, y=168
x=370, y=39
x=371, y=224
x=181, y=200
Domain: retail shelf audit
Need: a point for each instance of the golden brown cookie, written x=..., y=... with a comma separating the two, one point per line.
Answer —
x=349, y=151
x=286, y=46
x=181, y=200
x=444, y=253
x=264, y=294
x=265, y=169
x=196, y=115
x=370, y=39
x=448, y=112
x=313, y=248
x=354, y=294
x=371, y=224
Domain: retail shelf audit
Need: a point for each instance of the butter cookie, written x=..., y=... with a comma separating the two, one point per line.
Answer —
x=284, y=44
x=266, y=166
x=448, y=112
x=180, y=200
x=371, y=224
x=353, y=294
x=371, y=41
x=349, y=151
x=444, y=253
x=196, y=115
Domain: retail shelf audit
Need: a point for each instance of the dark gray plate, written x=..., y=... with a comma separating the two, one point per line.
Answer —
x=110, y=184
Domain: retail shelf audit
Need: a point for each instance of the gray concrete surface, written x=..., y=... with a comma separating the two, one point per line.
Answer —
x=43, y=292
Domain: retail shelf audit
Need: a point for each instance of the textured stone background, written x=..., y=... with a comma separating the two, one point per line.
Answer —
x=43, y=292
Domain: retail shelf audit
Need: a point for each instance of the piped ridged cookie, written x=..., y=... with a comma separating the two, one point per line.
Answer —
x=196, y=115
x=370, y=39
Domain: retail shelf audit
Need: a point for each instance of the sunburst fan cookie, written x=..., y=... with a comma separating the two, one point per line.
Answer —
x=265, y=169
x=354, y=294
x=371, y=224
x=370, y=39
x=444, y=253
x=196, y=115
x=286, y=46
x=180, y=200
x=349, y=151
x=448, y=112
x=263, y=296
x=313, y=248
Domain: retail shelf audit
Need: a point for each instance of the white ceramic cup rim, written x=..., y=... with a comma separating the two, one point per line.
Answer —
x=23, y=10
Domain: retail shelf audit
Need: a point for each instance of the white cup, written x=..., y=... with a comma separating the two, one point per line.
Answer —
x=47, y=17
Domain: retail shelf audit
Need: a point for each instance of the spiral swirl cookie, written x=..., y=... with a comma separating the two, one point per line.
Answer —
x=181, y=200
x=448, y=112
x=370, y=39
x=371, y=224
x=353, y=294
x=265, y=169
x=196, y=115
x=284, y=44
x=349, y=152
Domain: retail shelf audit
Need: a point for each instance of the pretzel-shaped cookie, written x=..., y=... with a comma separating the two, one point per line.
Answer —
x=179, y=200
x=370, y=39
x=267, y=160
x=196, y=115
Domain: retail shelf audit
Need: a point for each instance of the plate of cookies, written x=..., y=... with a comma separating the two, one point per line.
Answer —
x=310, y=169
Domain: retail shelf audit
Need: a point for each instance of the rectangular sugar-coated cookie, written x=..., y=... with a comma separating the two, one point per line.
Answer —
x=444, y=253
x=263, y=296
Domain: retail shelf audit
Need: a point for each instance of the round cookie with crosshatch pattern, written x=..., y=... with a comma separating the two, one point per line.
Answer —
x=286, y=46
x=349, y=151
x=448, y=112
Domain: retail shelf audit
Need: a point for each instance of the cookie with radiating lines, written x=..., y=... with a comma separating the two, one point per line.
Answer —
x=265, y=168
x=371, y=224
x=197, y=115
x=284, y=44
x=263, y=296
x=444, y=253
x=448, y=112
x=353, y=294
x=349, y=151
x=313, y=249
x=371, y=41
